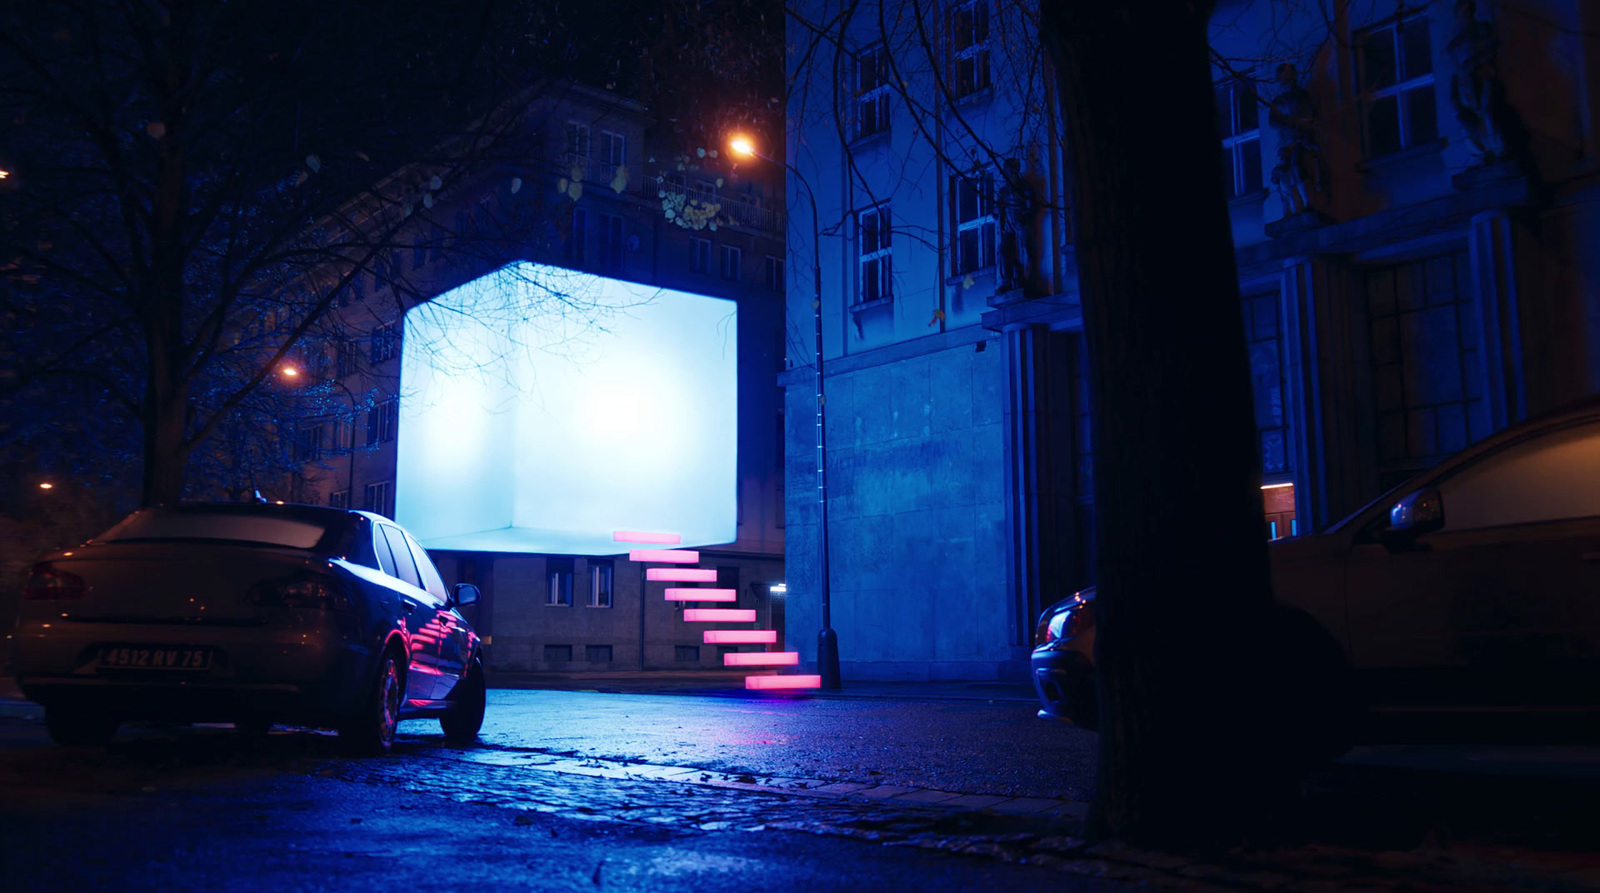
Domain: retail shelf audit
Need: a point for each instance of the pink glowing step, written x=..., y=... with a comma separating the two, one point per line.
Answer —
x=761, y=659
x=769, y=683
x=665, y=556
x=642, y=536
x=741, y=636
x=719, y=615
x=681, y=574
x=705, y=594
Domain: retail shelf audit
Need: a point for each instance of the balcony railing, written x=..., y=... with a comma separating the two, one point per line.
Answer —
x=736, y=210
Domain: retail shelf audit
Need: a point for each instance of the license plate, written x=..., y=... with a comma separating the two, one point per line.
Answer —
x=154, y=657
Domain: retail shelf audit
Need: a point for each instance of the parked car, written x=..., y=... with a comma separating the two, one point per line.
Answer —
x=252, y=614
x=1471, y=591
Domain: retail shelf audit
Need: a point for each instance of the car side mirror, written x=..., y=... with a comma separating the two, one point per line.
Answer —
x=1416, y=513
x=465, y=594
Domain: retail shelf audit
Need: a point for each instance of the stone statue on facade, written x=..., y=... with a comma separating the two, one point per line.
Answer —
x=1475, y=87
x=1298, y=175
x=1017, y=202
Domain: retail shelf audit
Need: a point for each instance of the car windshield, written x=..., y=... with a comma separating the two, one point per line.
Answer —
x=237, y=527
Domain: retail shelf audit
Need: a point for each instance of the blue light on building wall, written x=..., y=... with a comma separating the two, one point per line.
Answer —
x=547, y=431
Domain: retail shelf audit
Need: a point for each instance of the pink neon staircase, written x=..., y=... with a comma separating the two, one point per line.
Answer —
x=681, y=573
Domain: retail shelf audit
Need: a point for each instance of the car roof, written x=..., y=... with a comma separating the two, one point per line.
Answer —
x=297, y=511
x=1580, y=410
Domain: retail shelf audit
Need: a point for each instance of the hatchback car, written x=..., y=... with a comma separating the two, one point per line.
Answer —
x=251, y=614
x=1472, y=591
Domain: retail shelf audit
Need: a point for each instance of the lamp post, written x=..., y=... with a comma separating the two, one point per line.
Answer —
x=291, y=373
x=827, y=639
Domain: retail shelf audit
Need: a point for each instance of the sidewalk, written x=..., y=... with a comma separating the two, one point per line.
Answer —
x=729, y=683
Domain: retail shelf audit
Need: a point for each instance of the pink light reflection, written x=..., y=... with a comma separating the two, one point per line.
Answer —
x=681, y=574
x=719, y=615
x=761, y=659
x=772, y=682
x=672, y=556
x=701, y=595
x=741, y=636
x=640, y=536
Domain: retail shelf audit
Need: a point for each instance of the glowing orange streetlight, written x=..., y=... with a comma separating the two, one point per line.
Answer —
x=46, y=485
x=289, y=371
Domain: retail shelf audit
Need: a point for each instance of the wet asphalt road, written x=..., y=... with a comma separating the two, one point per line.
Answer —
x=988, y=746
x=712, y=792
x=566, y=790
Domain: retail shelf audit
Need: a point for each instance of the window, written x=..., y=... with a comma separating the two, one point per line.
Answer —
x=872, y=91
x=384, y=343
x=577, y=142
x=339, y=499
x=774, y=274
x=1262, y=332
x=728, y=578
x=686, y=653
x=344, y=436
x=382, y=420
x=600, y=584
x=1239, y=122
x=558, y=654
x=1425, y=367
x=404, y=566
x=872, y=228
x=597, y=654
x=613, y=154
x=577, y=238
x=610, y=241
x=558, y=576
x=344, y=358
x=1548, y=478
x=429, y=574
x=732, y=263
x=972, y=222
x=1395, y=71
x=969, y=48
x=704, y=192
x=308, y=443
x=700, y=255
x=379, y=498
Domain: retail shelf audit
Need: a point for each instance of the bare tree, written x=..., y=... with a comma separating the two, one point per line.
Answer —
x=197, y=190
x=1207, y=712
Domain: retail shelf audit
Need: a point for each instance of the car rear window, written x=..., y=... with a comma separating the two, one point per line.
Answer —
x=214, y=526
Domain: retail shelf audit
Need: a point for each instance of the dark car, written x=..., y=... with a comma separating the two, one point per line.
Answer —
x=1470, y=592
x=252, y=614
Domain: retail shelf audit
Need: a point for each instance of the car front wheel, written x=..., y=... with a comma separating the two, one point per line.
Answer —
x=371, y=729
x=465, y=718
x=79, y=727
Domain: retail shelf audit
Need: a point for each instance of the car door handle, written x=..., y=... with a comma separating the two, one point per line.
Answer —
x=409, y=606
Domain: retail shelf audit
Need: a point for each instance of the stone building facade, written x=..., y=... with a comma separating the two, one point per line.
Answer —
x=1416, y=218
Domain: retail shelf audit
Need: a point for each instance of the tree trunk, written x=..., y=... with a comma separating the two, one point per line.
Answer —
x=1184, y=586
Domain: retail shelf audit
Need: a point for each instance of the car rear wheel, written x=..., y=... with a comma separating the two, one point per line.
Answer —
x=371, y=729
x=465, y=718
x=79, y=727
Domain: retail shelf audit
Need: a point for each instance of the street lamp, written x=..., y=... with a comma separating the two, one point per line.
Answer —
x=827, y=639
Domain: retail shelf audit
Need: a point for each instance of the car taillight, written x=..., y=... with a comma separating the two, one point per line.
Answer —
x=47, y=583
x=1065, y=624
x=301, y=592
x=1078, y=620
